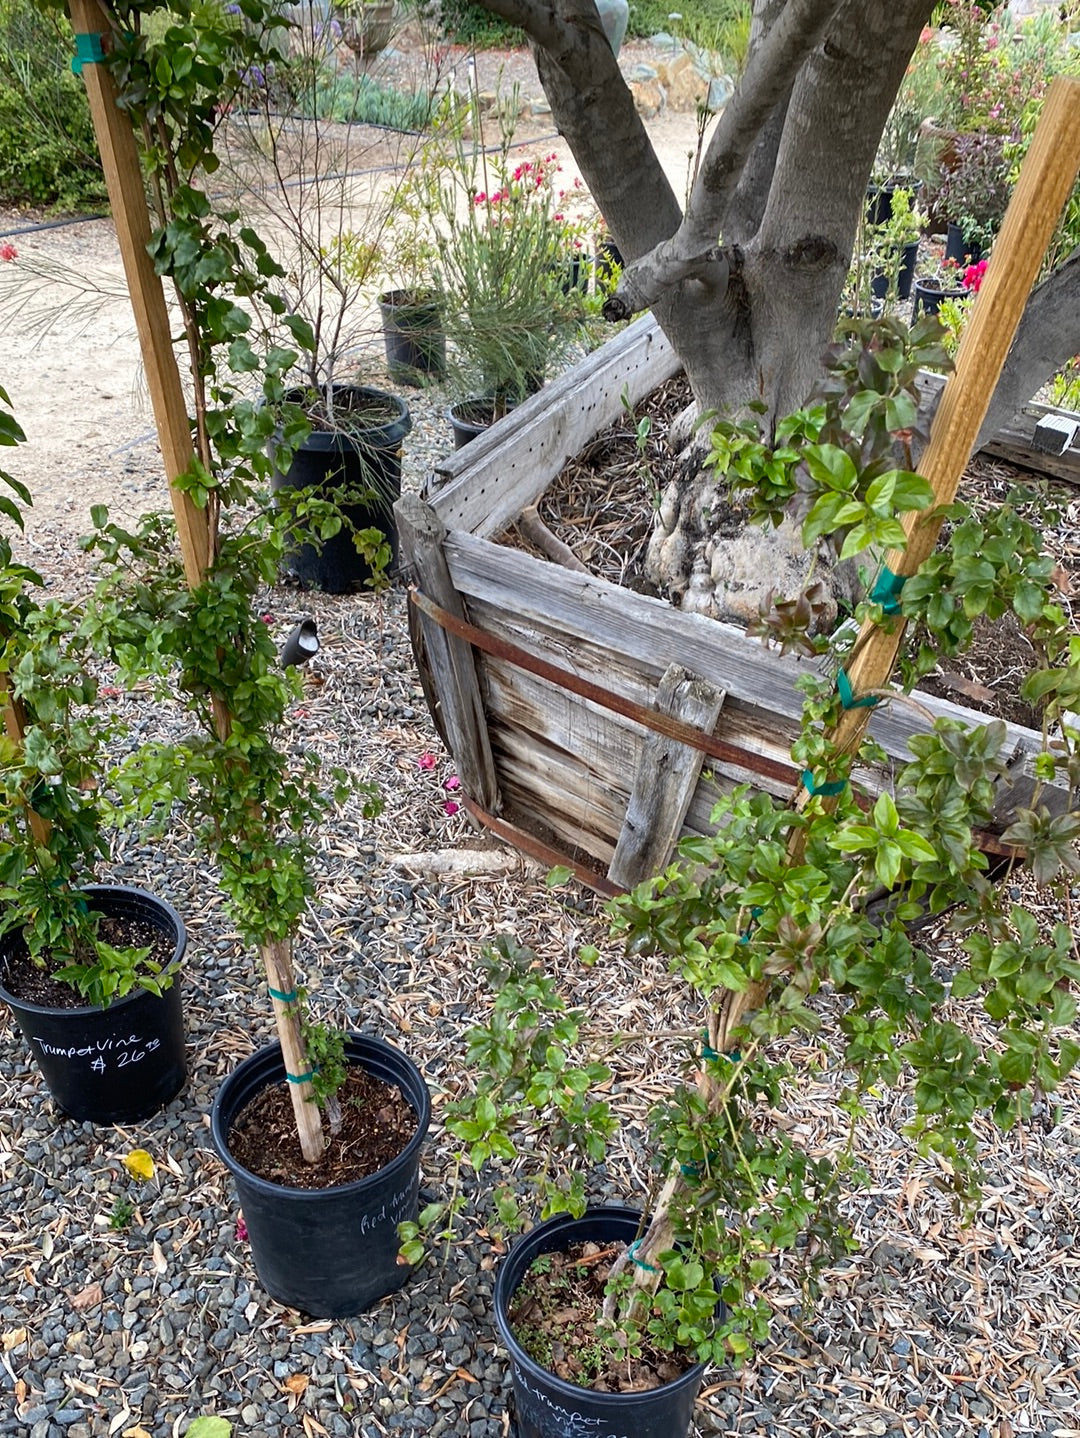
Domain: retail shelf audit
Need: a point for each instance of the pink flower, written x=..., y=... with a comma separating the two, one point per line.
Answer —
x=479, y=197
x=973, y=276
x=8, y=252
x=267, y=618
x=450, y=807
x=452, y=783
x=241, y=1230
x=426, y=761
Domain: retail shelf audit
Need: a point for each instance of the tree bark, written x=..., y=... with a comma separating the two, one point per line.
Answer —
x=1044, y=342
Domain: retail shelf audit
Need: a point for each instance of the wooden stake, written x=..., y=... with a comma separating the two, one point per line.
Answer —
x=15, y=728
x=277, y=960
x=127, y=196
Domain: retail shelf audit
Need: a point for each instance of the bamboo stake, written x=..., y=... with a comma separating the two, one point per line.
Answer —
x=127, y=197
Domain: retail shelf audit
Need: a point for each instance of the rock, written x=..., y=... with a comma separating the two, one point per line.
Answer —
x=649, y=98
x=685, y=87
x=721, y=89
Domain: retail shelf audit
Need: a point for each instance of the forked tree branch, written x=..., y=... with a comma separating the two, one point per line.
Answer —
x=691, y=252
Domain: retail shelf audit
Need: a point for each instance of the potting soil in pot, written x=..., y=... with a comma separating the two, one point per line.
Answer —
x=36, y=985
x=376, y=1124
x=554, y=1314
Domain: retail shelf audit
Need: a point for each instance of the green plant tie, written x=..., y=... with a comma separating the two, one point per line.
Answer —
x=637, y=1262
x=886, y=590
x=289, y=998
x=833, y=786
x=847, y=694
x=301, y=1078
x=710, y=1053
x=88, y=51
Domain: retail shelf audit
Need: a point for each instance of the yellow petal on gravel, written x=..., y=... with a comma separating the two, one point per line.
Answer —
x=139, y=1163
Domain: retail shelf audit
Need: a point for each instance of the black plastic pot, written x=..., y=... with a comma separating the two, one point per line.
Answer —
x=928, y=298
x=338, y=464
x=608, y=258
x=549, y=1407
x=118, y=1064
x=330, y=1252
x=879, y=198
x=905, y=274
x=964, y=252
x=575, y=274
x=412, y=330
x=471, y=417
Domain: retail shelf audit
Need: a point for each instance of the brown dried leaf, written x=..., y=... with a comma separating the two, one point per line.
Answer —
x=13, y=1338
x=297, y=1384
x=89, y=1297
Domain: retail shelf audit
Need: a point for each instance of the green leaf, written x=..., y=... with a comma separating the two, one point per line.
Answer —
x=300, y=330
x=831, y=466
x=558, y=875
x=963, y=984
x=221, y=1427
x=901, y=412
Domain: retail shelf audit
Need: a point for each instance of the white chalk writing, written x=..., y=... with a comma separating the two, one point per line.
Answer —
x=106, y=1053
x=571, y=1425
x=394, y=1210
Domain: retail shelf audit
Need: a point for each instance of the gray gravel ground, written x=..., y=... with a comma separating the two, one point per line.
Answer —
x=932, y=1328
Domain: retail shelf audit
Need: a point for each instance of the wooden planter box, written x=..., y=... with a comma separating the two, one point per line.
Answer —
x=591, y=725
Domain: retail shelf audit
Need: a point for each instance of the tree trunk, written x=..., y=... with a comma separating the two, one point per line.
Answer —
x=746, y=284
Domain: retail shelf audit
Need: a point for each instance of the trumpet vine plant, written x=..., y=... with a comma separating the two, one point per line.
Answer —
x=824, y=895
x=255, y=802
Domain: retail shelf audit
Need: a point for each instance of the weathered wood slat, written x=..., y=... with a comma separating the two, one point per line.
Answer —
x=650, y=633
x=485, y=486
x=451, y=663
x=546, y=787
x=666, y=777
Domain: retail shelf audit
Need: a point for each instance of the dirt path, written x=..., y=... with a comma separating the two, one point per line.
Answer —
x=70, y=358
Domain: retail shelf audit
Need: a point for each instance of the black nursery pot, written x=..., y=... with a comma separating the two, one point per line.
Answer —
x=330, y=1252
x=413, y=333
x=906, y=258
x=964, y=252
x=119, y=1064
x=332, y=462
x=928, y=298
x=549, y=1407
x=469, y=418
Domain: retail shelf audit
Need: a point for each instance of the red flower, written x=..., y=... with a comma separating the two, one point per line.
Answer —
x=426, y=761
x=8, y=252
x=450, y=807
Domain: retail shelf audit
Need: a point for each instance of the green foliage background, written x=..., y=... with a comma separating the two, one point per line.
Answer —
x=47, y=152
